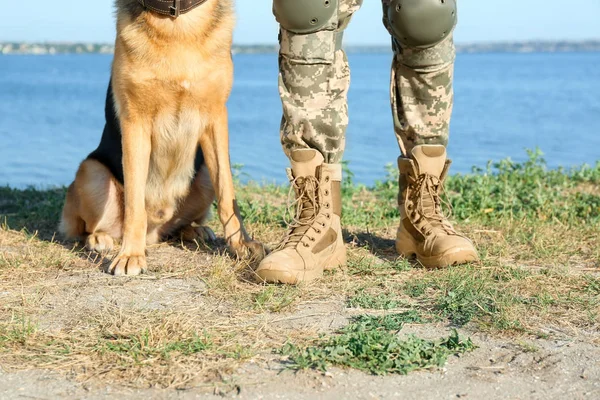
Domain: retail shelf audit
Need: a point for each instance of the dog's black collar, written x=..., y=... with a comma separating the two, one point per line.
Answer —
x=172, y=8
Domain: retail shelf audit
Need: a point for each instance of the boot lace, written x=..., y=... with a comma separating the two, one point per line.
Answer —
x=302, y=212
x=426, y=204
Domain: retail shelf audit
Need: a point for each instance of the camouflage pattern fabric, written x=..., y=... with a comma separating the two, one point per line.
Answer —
x=421, y=92
x=314, y=79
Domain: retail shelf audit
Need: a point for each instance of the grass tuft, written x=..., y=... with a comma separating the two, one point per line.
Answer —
x=376, y=351
x=275, y=299
x=145, y=346
x=390, y=322
x=380, y=301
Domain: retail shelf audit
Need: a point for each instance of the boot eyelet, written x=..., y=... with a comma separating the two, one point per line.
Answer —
x=312, y=239
x=328, y=216
x=326, y=192
x=327, y=179
x=306, y=244
x=318, y=231
x=327, y=205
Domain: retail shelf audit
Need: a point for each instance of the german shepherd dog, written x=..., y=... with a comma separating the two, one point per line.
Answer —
x=164, y=152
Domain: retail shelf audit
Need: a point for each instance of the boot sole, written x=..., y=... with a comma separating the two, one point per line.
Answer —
x=448, y=259
x=454, y=256
x=458, y=257
x=294, y=278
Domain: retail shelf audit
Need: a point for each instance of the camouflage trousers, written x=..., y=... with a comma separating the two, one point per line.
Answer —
x=314, y=77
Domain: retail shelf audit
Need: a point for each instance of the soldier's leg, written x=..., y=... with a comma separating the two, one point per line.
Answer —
x=422, y=72
x=422, y=99
x=313, y=82
x=314, y=76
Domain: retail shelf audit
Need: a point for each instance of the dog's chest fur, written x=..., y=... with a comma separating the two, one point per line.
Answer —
x=172, y=75
x=174, y=143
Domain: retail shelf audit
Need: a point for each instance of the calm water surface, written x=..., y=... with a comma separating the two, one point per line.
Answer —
x=51, y=113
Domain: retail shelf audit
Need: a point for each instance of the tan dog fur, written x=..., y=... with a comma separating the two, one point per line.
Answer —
x=171, y=79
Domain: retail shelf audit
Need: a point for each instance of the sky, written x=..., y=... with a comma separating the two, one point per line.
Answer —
x=479, y=21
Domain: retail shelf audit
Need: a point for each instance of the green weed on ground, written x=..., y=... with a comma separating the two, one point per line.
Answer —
x=374, y=301
x=389, y=322
x=376, y=349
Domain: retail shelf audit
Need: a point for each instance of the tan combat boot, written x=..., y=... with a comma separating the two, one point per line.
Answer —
x=315, y=241
x=424, y=231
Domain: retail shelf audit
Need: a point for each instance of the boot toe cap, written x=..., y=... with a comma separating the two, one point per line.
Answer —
x=281, y=267
x=451, y=251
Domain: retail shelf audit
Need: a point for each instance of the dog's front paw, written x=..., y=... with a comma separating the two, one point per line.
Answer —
x=130, y=265
x=249, y=250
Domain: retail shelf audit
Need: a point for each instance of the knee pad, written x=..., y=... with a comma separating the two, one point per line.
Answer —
x=304, y=16
x=421, y=23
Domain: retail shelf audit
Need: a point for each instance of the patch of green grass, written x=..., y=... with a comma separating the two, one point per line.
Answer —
x=378, y=352
x=508, y=274
x=527, y=347
x=592, y=285
x=465, y=293
x=17, y=332
x=143, y=346
x=525, y=190
x=380, y=301
x=366, y=207
x=363, y=266
x=261, y=212
x=390, y=322
x=401, y=265
x=368, y=266
x=240, y=353
x=370, y=343
x=416, y=288
x=500, y=298
x=32, y=209
x=275, y=298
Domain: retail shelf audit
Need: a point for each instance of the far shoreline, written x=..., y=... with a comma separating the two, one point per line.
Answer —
x=527, y=47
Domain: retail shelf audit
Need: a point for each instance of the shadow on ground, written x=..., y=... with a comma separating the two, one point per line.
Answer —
x=380, y=247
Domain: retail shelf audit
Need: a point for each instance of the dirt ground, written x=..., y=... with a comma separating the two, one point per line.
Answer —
x=557, y=369
x=70, y=288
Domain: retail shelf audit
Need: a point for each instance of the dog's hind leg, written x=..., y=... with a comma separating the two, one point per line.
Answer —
x=71, y=224
x=93, y=207
x=195, y=209
x=215, y=146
